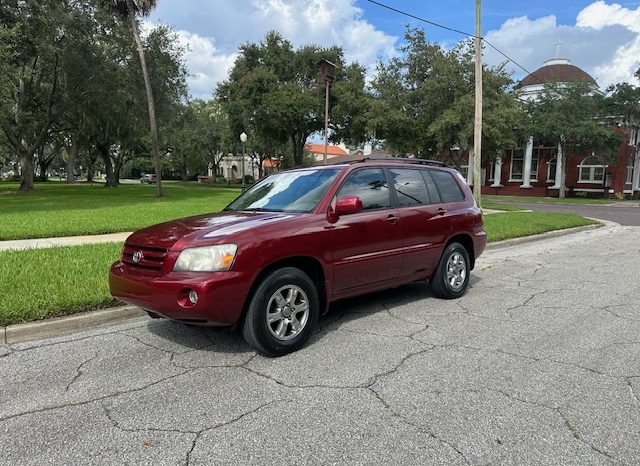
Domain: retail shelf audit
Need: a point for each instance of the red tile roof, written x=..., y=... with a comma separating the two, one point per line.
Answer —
x=331, y=149
x=560, y=73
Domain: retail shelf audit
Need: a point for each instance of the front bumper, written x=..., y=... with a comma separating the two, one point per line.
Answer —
x=221, y=295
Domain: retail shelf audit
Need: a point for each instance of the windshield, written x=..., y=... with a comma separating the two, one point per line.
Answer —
x=298, y=191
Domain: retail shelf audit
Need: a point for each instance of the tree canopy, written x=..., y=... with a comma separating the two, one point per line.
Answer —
x=275, y=94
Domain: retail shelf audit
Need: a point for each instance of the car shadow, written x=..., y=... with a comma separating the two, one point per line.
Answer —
x=230, y=340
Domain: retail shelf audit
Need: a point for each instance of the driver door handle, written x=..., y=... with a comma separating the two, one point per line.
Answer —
x=392, y=219
x=442, y=211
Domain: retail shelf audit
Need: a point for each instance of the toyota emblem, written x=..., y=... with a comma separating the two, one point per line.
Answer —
x=137, y=256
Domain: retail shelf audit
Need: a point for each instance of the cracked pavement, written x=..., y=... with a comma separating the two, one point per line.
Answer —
x=538, y=363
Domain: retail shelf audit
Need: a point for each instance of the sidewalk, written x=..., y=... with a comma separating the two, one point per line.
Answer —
x=62, y=241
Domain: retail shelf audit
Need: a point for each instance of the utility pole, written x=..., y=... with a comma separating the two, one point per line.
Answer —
x=477, y=126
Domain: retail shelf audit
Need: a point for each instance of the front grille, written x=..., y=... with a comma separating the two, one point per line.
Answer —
x=152, y=257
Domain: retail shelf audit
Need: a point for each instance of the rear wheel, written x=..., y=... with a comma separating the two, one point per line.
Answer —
x=282, y=312
x=451, y=279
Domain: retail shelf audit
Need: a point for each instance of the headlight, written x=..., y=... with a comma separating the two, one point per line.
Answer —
x=206, y=259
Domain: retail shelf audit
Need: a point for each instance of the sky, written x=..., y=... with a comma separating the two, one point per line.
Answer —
x=602, y=37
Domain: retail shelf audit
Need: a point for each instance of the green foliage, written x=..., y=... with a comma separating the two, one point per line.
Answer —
x=425, y=102
x=275, y=94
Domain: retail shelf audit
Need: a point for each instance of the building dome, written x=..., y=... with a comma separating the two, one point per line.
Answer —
x=557, y=70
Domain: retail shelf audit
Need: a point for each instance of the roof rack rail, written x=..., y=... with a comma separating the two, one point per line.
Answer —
x=417, y=161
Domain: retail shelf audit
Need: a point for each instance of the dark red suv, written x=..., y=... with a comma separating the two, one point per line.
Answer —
x=274, y=259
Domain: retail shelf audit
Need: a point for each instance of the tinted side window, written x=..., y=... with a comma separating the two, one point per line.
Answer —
x=447, y=185
x=431, y=187
x=370, y=185
x=410, y=187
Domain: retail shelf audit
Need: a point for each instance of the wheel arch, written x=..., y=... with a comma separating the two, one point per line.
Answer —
x=308, y=264
x=466, y=240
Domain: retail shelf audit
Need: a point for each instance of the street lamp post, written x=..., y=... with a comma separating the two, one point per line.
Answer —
x=243, y=139
x=327, y=69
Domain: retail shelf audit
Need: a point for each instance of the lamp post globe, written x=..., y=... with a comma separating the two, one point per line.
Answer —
x=243, y=139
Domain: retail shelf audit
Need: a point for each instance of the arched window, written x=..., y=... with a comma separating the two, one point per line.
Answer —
x=591, y=170
x=552, y=166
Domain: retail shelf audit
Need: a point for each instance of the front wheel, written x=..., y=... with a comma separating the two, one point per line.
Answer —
x=282, y=312
x=451, y=278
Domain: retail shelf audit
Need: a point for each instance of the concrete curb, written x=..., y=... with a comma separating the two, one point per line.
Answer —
x=18, y=333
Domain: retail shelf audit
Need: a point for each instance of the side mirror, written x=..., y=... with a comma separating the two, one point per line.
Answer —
x=348, y=205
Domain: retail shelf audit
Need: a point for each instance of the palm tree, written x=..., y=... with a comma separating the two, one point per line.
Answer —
x=128, y=9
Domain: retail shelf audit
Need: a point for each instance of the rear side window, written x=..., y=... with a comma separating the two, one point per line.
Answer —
x=410, y=187
x=370, y=185
x=431, y=187
x=447, y=186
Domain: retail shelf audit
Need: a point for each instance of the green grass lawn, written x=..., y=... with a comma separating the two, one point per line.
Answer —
x=40, y=283
x=489, y=199
x=517, y=224
x=58, y=209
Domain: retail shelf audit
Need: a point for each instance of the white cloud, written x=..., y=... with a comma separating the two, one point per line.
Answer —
x=605, y=42
x=206, y=64
x=218, y=27
x=626, y=59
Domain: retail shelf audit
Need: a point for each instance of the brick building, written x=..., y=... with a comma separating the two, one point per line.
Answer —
x=531, y=170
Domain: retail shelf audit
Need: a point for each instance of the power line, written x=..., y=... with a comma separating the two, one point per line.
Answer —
x=421, y=19
x=442, y=26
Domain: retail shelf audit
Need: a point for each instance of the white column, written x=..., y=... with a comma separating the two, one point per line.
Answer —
x=497, y=173
x=556, y=185
x=528, y=155
x=470, y=168
x=635, y=179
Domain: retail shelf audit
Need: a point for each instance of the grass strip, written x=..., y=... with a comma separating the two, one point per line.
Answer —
x=518, y=224
x=40, y=283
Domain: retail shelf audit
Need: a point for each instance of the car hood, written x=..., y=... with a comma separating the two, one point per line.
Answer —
x=208, y=227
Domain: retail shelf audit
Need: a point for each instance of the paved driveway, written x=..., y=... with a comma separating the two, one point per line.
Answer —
x=538, y=363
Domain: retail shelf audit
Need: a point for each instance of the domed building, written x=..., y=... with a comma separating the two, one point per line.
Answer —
x=531, y=170
x=555, y=70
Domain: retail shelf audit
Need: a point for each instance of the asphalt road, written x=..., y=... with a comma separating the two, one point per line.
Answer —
x=538, y=364
x=623, y=213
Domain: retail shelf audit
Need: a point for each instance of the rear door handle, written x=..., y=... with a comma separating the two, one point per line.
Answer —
x=442, y=211
x=392, y=219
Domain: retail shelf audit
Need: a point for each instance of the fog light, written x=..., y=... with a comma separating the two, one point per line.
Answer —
x=193, y=297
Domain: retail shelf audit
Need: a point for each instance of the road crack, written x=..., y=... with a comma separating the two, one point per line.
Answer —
x=79, y=371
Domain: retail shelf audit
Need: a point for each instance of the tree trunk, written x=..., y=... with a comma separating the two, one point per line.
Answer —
x=26, y=168
x=71, y=160
x=153, y=128
x=117, y=168
x=183, y=169
x=108, y=165
x=298, y=141
x=43, y=165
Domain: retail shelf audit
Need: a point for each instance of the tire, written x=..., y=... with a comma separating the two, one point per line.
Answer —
x=451, y=278
x=284, y=299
